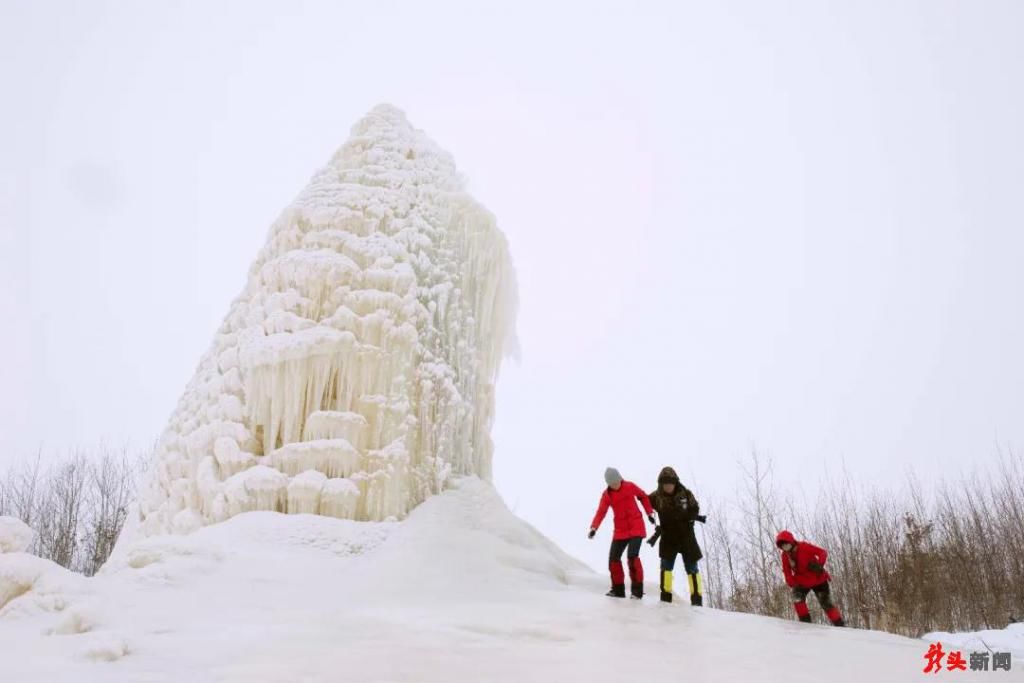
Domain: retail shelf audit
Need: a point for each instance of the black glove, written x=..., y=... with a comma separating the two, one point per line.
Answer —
x=650, y=518
x=701, y=518
x=655, y=536
x=592, y=532
x=815, y=567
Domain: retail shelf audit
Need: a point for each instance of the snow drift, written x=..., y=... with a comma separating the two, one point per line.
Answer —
x=15, y=535
x=461, y=590
x=356, y=370
x=1009, y=639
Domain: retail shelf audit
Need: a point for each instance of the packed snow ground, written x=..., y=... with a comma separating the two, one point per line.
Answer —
x=462, y=590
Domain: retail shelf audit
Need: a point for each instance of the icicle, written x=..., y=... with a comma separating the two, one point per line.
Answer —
x=329, y=424
x=339, y=498
x=257, y=488
x=230, y=458
x=304, y=492
x=333, y=457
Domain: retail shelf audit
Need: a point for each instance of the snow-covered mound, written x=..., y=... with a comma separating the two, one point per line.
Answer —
x=15, y=535
x=461, y=590
x=1009, y=639
x=356, y=369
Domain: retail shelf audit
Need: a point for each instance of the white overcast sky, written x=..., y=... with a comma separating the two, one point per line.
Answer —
x=795, y=225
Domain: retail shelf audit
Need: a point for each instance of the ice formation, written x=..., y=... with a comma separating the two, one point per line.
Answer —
x=356, y=370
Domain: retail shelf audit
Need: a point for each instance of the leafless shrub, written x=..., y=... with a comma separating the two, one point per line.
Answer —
x=77, y=505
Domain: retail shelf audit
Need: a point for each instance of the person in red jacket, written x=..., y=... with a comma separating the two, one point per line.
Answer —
x=803, y=565
x=622, y=496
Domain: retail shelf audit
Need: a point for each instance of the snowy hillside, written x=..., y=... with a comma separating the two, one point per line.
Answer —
x=461, y=590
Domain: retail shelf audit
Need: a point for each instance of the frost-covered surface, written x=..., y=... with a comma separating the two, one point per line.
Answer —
x=31, y=587
x=15, y=535
x=461, y=590
x=364, y=347
x=1009, y=639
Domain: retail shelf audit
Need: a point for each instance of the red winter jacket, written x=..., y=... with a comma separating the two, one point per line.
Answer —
x=629, y=523
x=794, y=564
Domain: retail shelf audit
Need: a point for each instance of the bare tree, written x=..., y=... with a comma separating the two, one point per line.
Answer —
x=77, y=506
x=720, y=568
x=21, y=490
x=112, y=480
x=61, y=509
x=758, y=508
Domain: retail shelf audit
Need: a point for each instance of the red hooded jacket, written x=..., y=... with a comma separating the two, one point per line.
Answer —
x=794, y=564
x=629, y=523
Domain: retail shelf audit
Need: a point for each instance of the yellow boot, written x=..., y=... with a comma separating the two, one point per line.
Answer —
x=696, y=599
x=666, y=585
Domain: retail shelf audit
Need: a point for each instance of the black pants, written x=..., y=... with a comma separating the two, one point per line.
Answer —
x=615, y=552
x=824, y=595
x=821, y=591
x=636, y=569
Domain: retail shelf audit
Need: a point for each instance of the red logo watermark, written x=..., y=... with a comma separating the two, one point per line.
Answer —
x=954, y=660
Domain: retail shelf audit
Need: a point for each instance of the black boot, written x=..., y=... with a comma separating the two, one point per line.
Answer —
x=617, y=591
x=696, y=600
x=636, y=590
x=806, y=618
x=839, y=622
x=666, y=597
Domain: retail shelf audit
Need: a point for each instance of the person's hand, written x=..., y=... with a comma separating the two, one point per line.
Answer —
x=592, y=532
x=650, y=518
x=652, y=540
x=701, y=518
x=816, y=567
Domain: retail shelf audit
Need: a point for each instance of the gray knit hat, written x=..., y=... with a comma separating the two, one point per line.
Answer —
x=612, y=476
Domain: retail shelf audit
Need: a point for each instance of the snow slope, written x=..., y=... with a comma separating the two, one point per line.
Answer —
x=461, y=590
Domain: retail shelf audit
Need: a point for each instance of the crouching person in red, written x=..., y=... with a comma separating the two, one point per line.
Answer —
x=622, y=497
x=803, y=565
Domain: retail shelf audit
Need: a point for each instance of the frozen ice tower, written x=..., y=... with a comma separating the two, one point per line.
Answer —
x=356, y=370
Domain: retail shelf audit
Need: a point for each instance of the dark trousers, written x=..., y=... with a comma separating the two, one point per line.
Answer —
x=636, y=569
x=824, y=595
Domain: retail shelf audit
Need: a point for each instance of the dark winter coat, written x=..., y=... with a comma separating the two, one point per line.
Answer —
x=676, y=513
x=796, y=563
x=629, y=523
